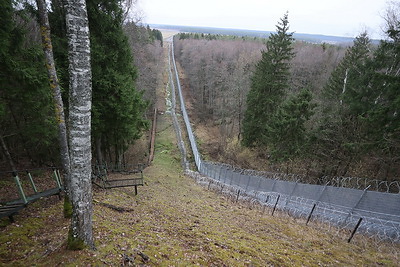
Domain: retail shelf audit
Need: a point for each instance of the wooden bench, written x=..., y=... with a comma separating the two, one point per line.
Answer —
x=105, y=183
x=124, y=183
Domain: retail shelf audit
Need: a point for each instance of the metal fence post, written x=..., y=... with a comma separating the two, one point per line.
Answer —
x=355, y=230
x=355, y=206
x=309, y=215
x=322, y=192
x=276, y=204
x=315, y=203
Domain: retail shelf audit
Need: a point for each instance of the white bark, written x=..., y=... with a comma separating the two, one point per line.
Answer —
x=80, y=97
x=344, y=84
x=55, y=86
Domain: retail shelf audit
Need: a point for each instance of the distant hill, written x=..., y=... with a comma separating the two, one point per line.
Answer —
x=312, y=38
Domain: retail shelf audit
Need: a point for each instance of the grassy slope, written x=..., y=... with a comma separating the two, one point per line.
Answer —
x=176, y=222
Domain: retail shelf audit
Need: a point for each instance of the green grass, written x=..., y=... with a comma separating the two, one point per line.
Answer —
x=176, y=222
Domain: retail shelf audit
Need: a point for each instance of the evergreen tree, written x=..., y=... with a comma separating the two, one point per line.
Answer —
x=379, y=101
x=344, y=78
x=26, y=111
x=289, y=136
x=338, y=136
x=268, y=87
x=157, y=35
x=361, y=105
x=117, y=106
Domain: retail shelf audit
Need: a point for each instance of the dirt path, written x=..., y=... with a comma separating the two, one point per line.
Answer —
x=175, y=222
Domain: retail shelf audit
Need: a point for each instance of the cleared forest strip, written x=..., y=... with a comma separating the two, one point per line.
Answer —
x=176, y=222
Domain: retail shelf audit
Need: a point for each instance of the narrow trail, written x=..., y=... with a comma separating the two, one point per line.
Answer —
x=175, y=222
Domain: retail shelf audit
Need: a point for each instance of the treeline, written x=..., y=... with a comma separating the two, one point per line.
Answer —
x=316, y=109
x=219, y=76
x=207, y=36
x=124, y=58
x=146, y=45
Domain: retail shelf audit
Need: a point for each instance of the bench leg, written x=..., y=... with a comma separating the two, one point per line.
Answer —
x=11, y=218
x=135, y=190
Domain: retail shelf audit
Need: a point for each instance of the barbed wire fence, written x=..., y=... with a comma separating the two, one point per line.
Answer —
x=345, y=204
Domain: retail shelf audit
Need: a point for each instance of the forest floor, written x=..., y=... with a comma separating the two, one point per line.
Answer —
x=174, y=221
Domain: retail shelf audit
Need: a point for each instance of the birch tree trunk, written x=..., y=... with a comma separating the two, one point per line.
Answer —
x=80, y=103
x=55, y=86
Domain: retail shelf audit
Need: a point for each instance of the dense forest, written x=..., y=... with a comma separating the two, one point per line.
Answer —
x=287, y=105
x=122, y=52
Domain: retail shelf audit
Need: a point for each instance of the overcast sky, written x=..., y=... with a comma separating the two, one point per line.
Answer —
x=330, y=17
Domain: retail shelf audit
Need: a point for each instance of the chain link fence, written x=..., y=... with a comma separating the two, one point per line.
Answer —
x=374, y=213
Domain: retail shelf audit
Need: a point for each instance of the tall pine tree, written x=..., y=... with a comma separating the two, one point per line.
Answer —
x=26, y=109
x=268, y=88
x=361, y=106
x=117, y=105
x=379, y=105
x=338, y=136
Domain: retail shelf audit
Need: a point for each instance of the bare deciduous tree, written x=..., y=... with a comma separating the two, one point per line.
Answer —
x=80, y=94
x=55, y=86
